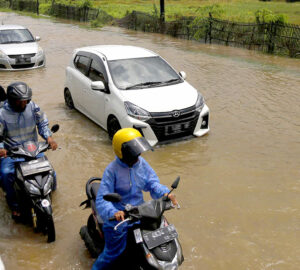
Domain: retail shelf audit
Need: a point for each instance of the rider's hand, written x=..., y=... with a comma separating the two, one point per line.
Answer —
x=3, y=152
x=52, y=143
x=119, y=216
x=172, y=197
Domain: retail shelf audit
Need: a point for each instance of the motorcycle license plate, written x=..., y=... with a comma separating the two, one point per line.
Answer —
x=160, y=236
x=35, y=166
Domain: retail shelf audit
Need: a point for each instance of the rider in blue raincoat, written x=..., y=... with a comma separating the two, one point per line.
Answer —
x=129, y=175
x=19, y=119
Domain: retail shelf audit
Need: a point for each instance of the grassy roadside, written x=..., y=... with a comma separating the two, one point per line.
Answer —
x=233, y=10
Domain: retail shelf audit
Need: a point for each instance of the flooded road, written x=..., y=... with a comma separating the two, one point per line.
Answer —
x=240, y=184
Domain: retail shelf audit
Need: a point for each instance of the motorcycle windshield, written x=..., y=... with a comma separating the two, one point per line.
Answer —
x=151, y=209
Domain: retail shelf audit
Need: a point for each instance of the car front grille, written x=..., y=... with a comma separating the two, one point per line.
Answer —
x=174, y=124
x=22, y=66
x=20, y=56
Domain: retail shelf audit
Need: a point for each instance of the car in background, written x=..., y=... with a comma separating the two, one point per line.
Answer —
x=19, y=49
x=120, y=86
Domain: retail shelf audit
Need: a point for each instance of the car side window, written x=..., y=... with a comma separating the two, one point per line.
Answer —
x=82, y=63
x=96, y=72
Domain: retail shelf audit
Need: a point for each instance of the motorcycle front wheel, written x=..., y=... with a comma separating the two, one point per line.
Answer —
x=50, y=229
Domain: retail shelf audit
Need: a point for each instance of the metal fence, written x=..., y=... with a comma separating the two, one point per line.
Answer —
x=274, y=38
x=57, y=10
x=277, y=38
x=74, y=13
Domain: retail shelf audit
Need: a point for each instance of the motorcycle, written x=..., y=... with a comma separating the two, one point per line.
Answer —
x=35, y=180
x=152, y=242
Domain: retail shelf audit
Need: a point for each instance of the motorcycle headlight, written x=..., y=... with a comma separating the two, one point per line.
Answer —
x=48, y=185
x=136, y=112
x=32, y=189
x=199, y=103
x=2, y=54
x=40, y=51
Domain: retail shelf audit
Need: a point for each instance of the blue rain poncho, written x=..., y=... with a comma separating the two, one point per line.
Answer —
x=129, y=182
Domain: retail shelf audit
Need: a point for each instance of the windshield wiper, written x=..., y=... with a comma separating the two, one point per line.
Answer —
x=172, y=80
x=142, y=84
x=10, y=42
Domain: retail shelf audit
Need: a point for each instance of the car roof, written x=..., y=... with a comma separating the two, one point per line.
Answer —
x=117, y=52
x=11, y=26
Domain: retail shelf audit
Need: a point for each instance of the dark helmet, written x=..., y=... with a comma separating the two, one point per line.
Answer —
x=19, y=91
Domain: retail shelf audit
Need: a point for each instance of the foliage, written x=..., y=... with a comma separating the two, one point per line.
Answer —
x=267, y=16
x=215, y=10
x=86, y=4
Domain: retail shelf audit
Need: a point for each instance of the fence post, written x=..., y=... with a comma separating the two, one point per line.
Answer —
x=210, y=27
x=37, y=7
x=270, y=41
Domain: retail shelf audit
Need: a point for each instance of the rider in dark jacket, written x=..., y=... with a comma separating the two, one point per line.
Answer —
x=19, y=118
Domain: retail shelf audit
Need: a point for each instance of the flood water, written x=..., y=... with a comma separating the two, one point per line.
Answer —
x=240, y=185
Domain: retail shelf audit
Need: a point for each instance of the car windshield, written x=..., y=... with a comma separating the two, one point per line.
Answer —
x=15, y=36
x=140, y=73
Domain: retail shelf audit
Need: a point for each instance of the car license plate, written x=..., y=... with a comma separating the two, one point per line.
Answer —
x=23, y=60
x=176, y=128
x=160, y=236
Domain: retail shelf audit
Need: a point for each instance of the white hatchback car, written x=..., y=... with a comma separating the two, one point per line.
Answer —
x=19, y=49
x=126, y=86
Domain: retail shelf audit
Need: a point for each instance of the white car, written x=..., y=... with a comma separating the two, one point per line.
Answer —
x=126, y=86
x=19, y=49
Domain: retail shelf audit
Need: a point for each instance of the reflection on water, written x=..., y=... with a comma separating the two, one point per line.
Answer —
x=240, y=186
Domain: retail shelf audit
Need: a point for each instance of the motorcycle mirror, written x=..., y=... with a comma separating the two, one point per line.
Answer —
x=112, y=197
x=55, y=128
x=175, y=183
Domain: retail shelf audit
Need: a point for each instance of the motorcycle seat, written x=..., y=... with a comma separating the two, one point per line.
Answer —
x=94, y=190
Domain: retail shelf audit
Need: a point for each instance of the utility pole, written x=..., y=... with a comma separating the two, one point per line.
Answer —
x=162, y=10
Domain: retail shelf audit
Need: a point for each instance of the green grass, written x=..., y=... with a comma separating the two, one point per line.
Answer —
x=235, y=10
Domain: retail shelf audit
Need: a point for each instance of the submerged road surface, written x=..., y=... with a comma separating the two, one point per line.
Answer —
x=240, y=184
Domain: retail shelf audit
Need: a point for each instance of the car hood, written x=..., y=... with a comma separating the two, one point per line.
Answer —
x=19, y=48
x=164, y=98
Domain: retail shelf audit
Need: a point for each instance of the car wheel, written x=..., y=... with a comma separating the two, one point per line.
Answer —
x=68, y=99
x=113, y=126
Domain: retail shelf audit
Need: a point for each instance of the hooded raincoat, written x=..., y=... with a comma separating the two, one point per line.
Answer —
x=129, y=182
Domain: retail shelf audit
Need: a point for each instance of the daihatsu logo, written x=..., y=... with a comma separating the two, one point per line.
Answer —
x=176, y=114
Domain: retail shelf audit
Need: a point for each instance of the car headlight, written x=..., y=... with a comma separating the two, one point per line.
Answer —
x=48, y=185
x=40, y=51
x=32, y=189
x=199, y=103
x=2, y=54
x=136, y=112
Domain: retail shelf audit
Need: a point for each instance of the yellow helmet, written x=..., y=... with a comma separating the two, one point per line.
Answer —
x=129, y=142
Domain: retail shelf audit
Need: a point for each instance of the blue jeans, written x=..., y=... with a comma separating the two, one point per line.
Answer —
x=7, y=172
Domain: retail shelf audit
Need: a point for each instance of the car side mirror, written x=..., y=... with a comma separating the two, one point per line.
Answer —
x=37, y=38
x=98, y=86
x=182, y=74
